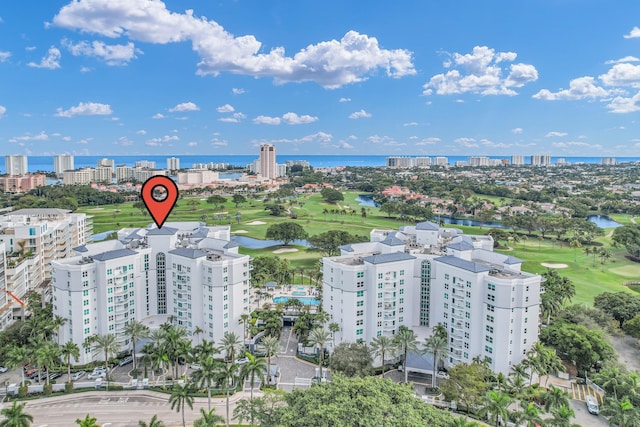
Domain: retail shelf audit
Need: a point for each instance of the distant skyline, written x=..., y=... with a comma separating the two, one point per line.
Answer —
x=151, y=77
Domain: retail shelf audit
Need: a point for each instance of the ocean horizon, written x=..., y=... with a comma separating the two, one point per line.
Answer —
x=45, y=163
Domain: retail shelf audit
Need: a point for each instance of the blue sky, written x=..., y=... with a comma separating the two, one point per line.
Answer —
x=120, y=77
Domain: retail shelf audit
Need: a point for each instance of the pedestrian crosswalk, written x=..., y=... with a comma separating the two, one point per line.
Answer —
x=581, y=391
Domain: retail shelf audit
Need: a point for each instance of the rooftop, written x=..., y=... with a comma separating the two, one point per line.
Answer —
x=390, y=257
x=118, y=253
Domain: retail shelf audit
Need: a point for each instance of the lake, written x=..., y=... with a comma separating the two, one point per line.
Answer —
x=366, y=200
x=251, y=243
x=603, y=221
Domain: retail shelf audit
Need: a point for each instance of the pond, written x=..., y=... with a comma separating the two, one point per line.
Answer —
x=469, y=222
x=101, y=236
x=251, y=243
x=603, y=221
x=367, y=200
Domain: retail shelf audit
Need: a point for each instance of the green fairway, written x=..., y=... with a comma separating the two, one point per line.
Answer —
x=590, y=276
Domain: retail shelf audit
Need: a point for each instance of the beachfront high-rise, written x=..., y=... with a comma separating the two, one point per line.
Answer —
x=517, y=160
x=15, y=165
x=540, y=159
x=268, y=167
x=183, y=271
x=424, y=275
x=62, y=163
x=173, y=164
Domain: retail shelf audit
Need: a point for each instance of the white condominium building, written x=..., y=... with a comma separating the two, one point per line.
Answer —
x=173, y=163
x=61, y=163
x=517, y=160
x=424, y=275
x=184, y=270
x=540, y=159
x=268, y=167
x=15, y=165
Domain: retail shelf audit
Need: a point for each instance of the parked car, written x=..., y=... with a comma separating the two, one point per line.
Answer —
x=77, y=375
x=97, y=373
x=195, y=366
x=242, y=361
x=30, y=373
x=3, y=369
x=125, y=361
x=592, y=405
x=442, y=374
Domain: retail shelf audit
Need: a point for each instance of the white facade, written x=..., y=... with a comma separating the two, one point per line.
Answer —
x=15, y=165
x=173, y=163
x=540, y=159
x=61, y=163
x=441, y=161
x=424, y=275
x=107, y=163
x=195, y=177
x=517, y=160
x=408, y=162
x=478, y=161
x=184, y=270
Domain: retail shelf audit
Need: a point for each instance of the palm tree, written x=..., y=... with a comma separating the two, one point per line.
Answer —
x=380, y=346
x=206, y=376
x=255, y=367
x=57, y=323
x=69, y=350
x=406, y=341
x=437, y=344
x=17, y=357
x=232, y=345
x=228, y=373
x=495, y=405
x=107, y=344
x=47, y=356
x=529, y=414
x=88, y=421
x=270, y=346
x=244, y=319
x=562, y=417
x=208, y=419
x=179, y=397
x=333, y=328
x=15, y=417
x=318, y=337
x=555, y=398
x=136, y=329
x=463, y=422
x=620, y=412
x=155, y=422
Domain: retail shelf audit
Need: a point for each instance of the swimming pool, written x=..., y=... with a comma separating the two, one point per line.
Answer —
x=298, y=293
x=304, y=300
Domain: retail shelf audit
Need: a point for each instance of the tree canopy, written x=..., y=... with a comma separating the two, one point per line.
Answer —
x=331, y=196
x=286, y=231
x=351, y=359
x=622, y=306
x=363, y=402
x=329, y=242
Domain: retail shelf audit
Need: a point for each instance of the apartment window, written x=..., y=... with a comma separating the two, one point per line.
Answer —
x=446, y=295
x=86, y=312
x=379, y=285
x=85, y=293
x=446, y=315
x=491, y=297
x=360, y=293
x=491, y=307
x=467, y=304
x=379, y=275
x=401, y=300
x=401, y=291
x=360, y=313
x=446, y=286
x=446, y=305
x=446, y=277
x=526, y=319
x=379, y=294
x=527, y=288
x=359, y=303
x=359, y=331
x=488, y=349
x=489, y=329
x=87, y=330
x=359, y=322
x=360, y=274
x=491, y=287
x=488, y=339
x=489, y=318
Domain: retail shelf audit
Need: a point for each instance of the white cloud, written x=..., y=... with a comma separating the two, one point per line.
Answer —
x=331, y=63
x=467, y=142
x=123, y=141
x=428, y=141
x=634, y=34
x=622, y=75
x=118, y=54
x=158, y=116
x=622, y=60
x=266, y=120
x=185, y=106
x=237, y=91
x=480, y=72
x=580, y=88
x=85, y=69
x=344, y=100
x=622, y=105
x=159, y=142
x=377, y=139
x=554, y=134
x=516, y=131
x=51, y=61
x=226, y=108
x=236, y=118
x=4, y=55
x=318, y=137
x=85, y=109
x=30, y=48
x=410, y=124
x=491, y=144
x=192, y=144
x=3, y=110
x=360, y=115
x=345, y=145
x=141, y=132
x=294, y=119
x=219, y=142
x=42, y=136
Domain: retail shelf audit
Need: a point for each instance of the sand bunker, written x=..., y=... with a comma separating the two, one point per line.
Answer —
x=284, y=250
x=546, y=264
x=240, y=231
x=257, y=223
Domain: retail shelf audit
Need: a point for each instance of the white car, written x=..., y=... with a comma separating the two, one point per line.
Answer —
x=76, y=376
x=3, y=369
x=97, y=373
x=242, y=361
x=195, y=366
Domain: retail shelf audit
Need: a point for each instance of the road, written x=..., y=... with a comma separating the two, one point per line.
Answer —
x=117, y=409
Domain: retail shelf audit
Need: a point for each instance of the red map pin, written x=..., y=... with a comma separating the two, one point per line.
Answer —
x=159, y=194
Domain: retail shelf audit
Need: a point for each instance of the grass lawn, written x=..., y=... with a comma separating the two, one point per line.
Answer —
x=590, y=279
